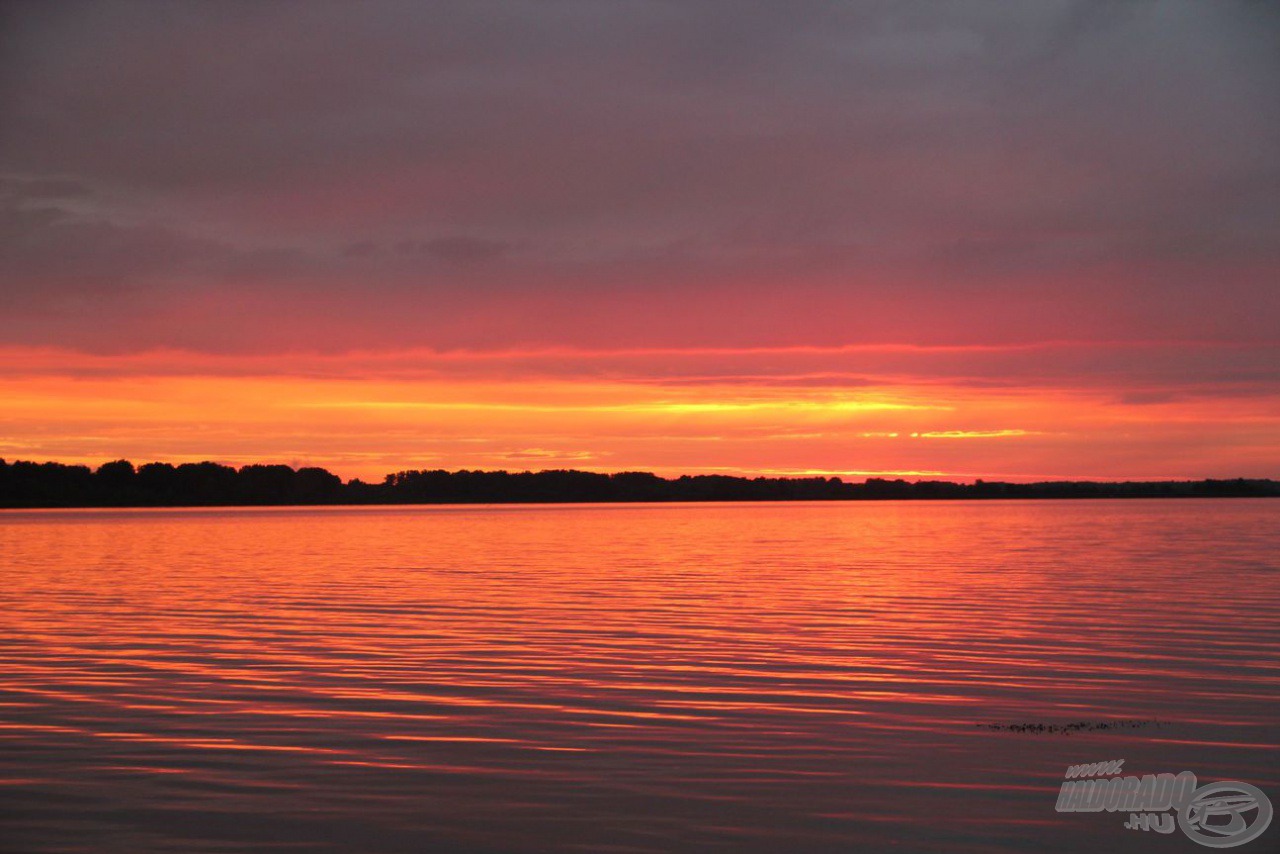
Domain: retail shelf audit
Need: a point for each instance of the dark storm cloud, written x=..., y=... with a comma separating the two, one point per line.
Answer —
x=953, y=171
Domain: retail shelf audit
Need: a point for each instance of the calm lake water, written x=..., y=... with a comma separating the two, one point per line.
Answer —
x=724, y=677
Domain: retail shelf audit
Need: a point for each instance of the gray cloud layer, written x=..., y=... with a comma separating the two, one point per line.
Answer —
x=474, y=174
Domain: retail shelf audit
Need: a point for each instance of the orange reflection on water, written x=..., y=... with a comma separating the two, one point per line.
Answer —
x=654, y=677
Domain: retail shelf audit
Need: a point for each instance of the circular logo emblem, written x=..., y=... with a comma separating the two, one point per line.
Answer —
x=1224, y=815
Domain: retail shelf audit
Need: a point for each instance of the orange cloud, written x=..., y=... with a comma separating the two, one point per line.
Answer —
x=369, y=414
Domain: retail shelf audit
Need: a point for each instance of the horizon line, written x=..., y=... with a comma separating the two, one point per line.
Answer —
x=905, y=476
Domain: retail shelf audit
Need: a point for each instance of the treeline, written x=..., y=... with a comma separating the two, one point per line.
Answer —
x=120, y=484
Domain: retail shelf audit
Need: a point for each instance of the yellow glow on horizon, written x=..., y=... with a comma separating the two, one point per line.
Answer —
x=366, y=424
x=976, y=434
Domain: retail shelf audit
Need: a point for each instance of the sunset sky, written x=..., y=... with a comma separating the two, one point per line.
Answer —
x=1022, y=240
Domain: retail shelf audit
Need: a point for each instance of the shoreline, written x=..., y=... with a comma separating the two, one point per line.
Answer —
x=30, y=485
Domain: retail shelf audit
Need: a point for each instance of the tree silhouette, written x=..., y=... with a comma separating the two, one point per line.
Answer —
x=118, y=483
